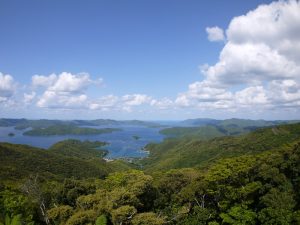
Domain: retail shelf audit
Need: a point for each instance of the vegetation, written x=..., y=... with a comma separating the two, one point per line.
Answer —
x=67, y=129
x=190, y=152
x=202, y=133
x=205, y=129
x=78, y=149
x=247, y=179
x=19, y=161
x=21, y=124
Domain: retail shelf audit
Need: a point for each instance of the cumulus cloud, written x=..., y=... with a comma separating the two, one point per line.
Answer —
x=135, y=99
x=215, y=34
x=122, y=103
x=51, y=99
x=164, y=103
x=29, y=97
x=7, y=87
x=65, y=90
x=259, y=64
x=43, y=81
x=105, y=103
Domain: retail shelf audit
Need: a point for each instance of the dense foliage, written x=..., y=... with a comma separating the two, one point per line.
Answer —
x=21, y=124
x=78, y=149
x=254, y=179
x=190, y=151
x=67, y=129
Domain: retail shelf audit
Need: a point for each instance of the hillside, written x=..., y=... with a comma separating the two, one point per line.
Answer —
x=202, y=133
x=78, y=149
x=44, y=123
x=67, y=129
x=191, y=152
x=204, y=129
x=19, y=161
x=247, y=179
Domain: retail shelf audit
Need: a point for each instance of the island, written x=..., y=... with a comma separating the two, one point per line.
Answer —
x=67, y=129
x=11, y=134
x=135, y=137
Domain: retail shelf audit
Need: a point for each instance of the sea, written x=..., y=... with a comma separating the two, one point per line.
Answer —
x=121, y=144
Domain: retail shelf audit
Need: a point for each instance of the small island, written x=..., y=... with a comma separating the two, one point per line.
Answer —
x=11, y=134
x=67, y=129
x=135, y=137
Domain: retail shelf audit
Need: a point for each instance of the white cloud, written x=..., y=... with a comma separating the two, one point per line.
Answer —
x=135, y=99
x=215, y=34
x=67, y=82
x=43, y=81
x=105, y=103
x=258, y=66
x=164, y=103
x=52, y=99
x=7, y=87
x=252, y=96
x=65, y=90
x=285, y=93
x=28, y=98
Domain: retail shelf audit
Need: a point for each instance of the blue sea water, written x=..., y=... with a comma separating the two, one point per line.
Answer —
x=121, y=143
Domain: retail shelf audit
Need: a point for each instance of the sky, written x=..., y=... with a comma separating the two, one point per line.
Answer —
x=149, y=59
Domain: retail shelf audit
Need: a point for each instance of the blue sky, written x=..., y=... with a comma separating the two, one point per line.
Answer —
x=142, y=59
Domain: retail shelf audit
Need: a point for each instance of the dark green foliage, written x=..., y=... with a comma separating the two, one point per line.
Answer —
x=19, y=161
x=101, y=220
x=21, y=124
x=59, y=215
x=147, y=219
x=16, y=209
x=190, y=152
x=67, y=129
x=201, y=133
x=250, y=179
x=78, y=149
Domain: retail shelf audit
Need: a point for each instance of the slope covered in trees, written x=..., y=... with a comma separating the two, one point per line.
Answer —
x=67, y=129
x=247, y=179
x=79, y=149
x=251, y=189
x=190, y=152
x=19, y=161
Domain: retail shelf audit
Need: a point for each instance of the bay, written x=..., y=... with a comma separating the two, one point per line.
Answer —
x=121, y=143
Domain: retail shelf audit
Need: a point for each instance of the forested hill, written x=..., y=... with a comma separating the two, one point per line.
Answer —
x=209, y=128
x=67, y=129
x=191, y=152
x=43, y=123
x=19, y=161
x=251, y=189
x=247, y=179
x=66, y=159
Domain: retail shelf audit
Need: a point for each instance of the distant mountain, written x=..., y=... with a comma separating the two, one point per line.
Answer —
x=43, y=123
x=199, y=122
x=67, y=129
x=204, y=129
x=235, y=121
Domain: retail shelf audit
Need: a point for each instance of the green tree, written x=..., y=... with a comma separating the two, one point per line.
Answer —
x=147, y=219
x=239, y=215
